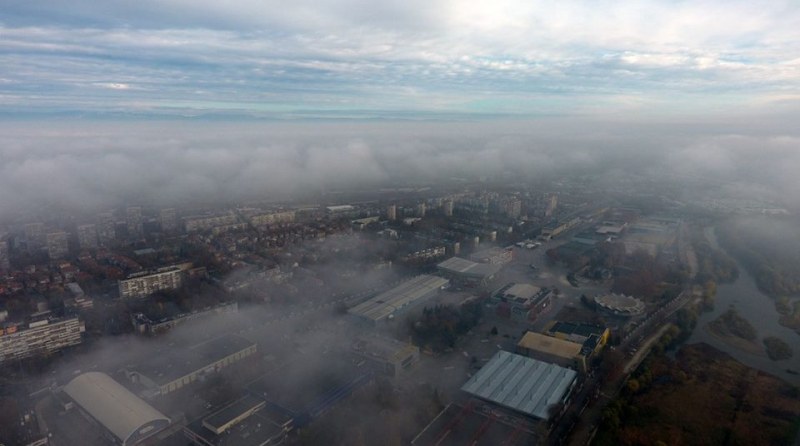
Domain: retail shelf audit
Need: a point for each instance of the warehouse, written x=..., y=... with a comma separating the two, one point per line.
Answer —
x=525, y=385
x=245, y=422
x=127, y=419
x=467, y=272
x=389, y=304
x=547, y=348
x=180, y=367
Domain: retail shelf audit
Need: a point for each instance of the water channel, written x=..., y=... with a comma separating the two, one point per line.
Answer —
x=759, y=310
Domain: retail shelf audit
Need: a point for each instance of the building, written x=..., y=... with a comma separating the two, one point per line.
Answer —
x=556, y=228
x=620, y=304
x=87, y=236
x=57, y=245
x=447, y=207
x=477, y=425
x=206, y=222
x=168, y=219
x=134, y=221
x=41, y=336
x=144, y=324
x=341, y=211
x=272, y=218
x=245, y=422
x=106, y=229
x=554, y=350
x=392, y=356
x=144, y=283
x=421, y=209
x=389, y=304
x=35, y=235
x=468, y=273
x=494, y=256
x=5, y=256
x=525, y=385
x=126, y=418
x=391, y=212
x=521, y=301
x=578, y=332
x=180, y=367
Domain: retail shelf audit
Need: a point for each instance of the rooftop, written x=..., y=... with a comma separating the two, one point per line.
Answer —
x=523, y=384
x=571, y=328
x=457, y=265
x=550, y=345
x=405, y=294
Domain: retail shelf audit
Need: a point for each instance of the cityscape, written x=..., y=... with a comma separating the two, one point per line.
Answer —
x=358, y=223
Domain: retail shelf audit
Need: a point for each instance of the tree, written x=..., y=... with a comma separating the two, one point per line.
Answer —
x=493, y=332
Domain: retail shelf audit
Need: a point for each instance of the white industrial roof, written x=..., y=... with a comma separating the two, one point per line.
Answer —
x=115, y=407
x=520, y=383
x=386, y=303
x=468, y=267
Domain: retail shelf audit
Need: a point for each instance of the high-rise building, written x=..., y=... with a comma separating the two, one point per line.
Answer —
x=421, y=208
x=5, y=260
x=135, y=222
x=35, y=236
x=148, y=282
x=552, y=203
x=169, y=220
x=106, y=229
x=391, y=212
x=41, y=337
x=57, y=245
x=448, y=208
x=87, y=236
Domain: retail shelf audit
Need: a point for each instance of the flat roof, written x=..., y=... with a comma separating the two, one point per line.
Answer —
x=177, y=362
x=550, y=345
x=408, y=292
x=458, y=425
x=523, y=384
x=523, y=290
x=223, y=417
x=572, y=328
x=458, y=265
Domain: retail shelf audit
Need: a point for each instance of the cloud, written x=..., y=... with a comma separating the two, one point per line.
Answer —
x=377, y=59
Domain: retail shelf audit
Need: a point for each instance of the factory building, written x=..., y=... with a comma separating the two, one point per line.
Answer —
x=521, y=301
x=391, y=356
x=244, y=422
x=466, y=272
x=125, y=418
x=389, y=304
x=525, y=385
x=41, y=336
x=148, y=282
x=181, y=367
x=494, y=256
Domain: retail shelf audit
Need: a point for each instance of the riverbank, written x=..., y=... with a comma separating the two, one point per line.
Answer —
x=720, y=333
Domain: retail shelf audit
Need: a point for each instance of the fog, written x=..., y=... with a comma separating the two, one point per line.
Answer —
x=92, y=165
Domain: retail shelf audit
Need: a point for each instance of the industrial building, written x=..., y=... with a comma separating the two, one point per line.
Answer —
x=306, y=392
x=554, y=350
x=391, y=356
x=41, y=336
x=389, y=304
x=145, y=283
x=521, y=301
x=126, y=419
x=476, y=425
x=180, y=367
x=146, y=324
x=525, y=385
x=244, y=422
x=494, y=256
x=468, y=273
x=620, y=304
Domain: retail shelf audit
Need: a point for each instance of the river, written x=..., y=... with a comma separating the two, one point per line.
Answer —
x=759, y=310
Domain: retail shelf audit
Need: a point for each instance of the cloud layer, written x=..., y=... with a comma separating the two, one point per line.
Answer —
x=397, y=59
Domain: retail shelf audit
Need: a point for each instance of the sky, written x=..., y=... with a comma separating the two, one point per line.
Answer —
x=397, y=59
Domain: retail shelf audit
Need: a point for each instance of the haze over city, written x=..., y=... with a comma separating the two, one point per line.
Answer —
x=399, y=222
